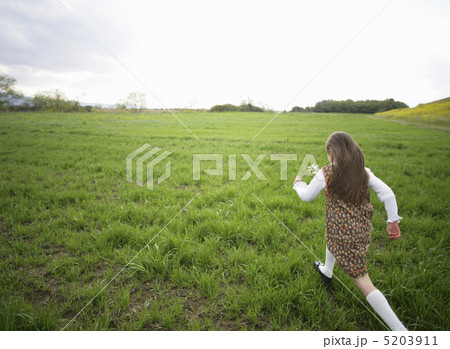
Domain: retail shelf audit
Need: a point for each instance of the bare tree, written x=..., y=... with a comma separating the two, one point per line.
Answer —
x=135, y=102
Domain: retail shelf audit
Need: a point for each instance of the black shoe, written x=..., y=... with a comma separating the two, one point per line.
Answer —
x=325, y=278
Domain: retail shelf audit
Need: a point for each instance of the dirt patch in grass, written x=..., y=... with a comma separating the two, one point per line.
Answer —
x=5, y=231
x=194, y=306
x=37, y=295
x=54, y=251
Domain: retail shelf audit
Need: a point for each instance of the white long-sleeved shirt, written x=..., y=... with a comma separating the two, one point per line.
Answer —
x=384, y=193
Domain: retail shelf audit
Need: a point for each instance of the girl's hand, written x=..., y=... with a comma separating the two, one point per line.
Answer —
x=393, y=230
x=297, y=179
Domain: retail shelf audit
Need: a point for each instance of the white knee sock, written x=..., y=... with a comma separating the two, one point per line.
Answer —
x=380, y=304
x=327, y=269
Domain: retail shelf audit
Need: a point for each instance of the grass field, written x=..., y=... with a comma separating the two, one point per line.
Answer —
x=436, y=113
x=69, y=222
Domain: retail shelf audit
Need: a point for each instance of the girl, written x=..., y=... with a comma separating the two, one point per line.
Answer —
x=346, y=183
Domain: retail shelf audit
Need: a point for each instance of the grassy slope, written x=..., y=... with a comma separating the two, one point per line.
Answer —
x=69, y=222
x=434, y=113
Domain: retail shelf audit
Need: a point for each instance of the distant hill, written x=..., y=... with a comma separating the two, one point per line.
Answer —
x=103, y=105
x=433, y=113
x=444, y=100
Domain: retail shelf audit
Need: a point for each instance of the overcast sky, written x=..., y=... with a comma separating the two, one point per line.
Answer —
x=202, y=53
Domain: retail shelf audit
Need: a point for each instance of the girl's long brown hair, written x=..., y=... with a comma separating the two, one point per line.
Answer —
x=348, y=181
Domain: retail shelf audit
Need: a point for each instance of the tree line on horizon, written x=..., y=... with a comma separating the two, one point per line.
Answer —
x=13, y=100
x=368, y=106
x=243, y=107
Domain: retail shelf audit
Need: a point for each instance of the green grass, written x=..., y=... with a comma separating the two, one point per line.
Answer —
x=436, y=113
x=69, y=222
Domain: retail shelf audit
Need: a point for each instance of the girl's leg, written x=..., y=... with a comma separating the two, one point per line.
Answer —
x=379, y=303
x=365, y=285
x=327, y=269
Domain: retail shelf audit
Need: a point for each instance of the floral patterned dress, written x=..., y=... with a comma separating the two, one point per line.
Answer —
x=348, y=231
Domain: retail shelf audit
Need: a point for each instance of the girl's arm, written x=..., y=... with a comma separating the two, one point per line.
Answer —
x=386, y=196
x=309, y=192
